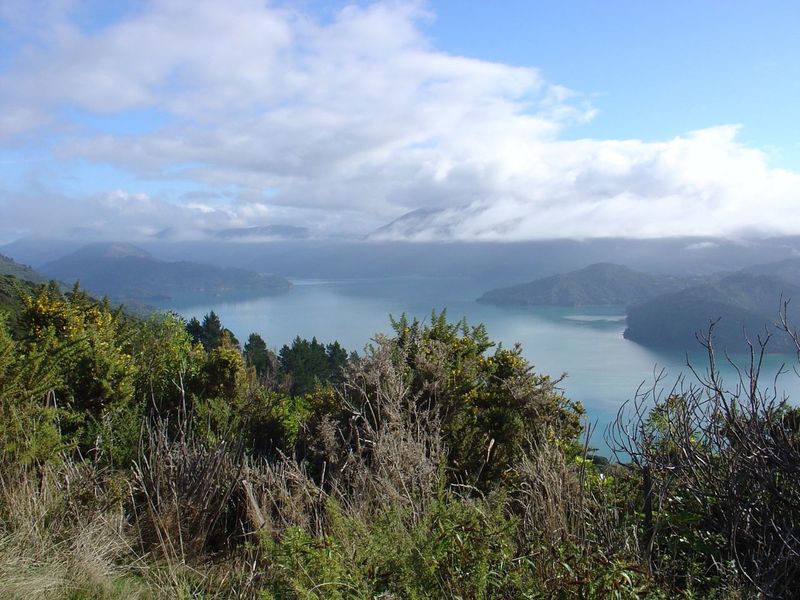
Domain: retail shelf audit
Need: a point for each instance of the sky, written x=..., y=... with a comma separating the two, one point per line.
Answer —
x=499, y=121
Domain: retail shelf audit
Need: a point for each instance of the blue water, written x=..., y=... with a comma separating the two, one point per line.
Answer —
x=603, y=369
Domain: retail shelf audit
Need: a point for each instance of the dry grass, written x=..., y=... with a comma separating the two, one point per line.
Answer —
x=562, y=504
x=65, y=533
x=62, y=534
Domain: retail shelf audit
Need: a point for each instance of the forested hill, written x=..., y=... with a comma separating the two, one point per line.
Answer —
x=597, y=284
x=126, y=273
x=741, y=304
x=8, y=266
x=669, y=311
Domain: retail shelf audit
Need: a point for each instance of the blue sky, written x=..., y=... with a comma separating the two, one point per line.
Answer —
x=653, y=69
x=512, y=120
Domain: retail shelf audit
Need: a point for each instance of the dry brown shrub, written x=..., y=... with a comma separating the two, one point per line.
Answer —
x=560, y=508
x=185, y=492
x=395, y=451
x=280, y=494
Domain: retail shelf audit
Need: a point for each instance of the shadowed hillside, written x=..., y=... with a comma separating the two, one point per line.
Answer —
x=741, y=304
x=597, y=284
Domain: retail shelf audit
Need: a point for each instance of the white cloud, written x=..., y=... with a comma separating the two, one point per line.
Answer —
x=702, y=245
x=351, y=123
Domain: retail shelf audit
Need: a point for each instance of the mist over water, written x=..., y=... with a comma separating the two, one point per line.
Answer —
x=603, y=369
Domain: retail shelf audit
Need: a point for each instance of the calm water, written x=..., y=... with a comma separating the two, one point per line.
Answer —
x=603, y=369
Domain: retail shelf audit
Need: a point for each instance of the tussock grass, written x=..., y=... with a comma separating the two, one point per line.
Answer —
x=63, y=534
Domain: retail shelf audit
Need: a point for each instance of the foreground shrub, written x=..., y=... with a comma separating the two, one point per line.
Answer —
x=488, y=404
x=455, y=549
x=720, y=482
x=184, y=492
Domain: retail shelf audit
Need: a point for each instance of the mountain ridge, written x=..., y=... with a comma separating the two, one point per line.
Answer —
x=127, y=273
x=602, y=283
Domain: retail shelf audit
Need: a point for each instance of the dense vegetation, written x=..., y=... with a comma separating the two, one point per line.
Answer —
x=158, y=458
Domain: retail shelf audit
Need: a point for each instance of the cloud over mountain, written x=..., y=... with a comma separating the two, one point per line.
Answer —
x=238, y=114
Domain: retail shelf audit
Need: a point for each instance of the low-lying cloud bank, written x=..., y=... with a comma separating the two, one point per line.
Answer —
x=237, y=114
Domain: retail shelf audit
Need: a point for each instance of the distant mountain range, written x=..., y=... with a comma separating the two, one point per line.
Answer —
x=265, y=232
x=127, y=273
x=260, y=233
x=494, y=264
x=597, y=284
x=666, y=311
x=679, y=305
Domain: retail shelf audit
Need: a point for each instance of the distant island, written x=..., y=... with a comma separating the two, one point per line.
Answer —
x=597, y=284
x=670, y=311
x=126, y=273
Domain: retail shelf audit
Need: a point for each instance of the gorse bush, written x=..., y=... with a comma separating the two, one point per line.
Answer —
x=158, y=459
x=28, y=419
x=456, y=549
x=488, y=403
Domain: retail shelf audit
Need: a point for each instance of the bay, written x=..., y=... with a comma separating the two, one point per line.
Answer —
x=602, y=369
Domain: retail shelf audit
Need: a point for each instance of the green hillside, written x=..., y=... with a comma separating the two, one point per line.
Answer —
x=597, y=284
x=8, y=266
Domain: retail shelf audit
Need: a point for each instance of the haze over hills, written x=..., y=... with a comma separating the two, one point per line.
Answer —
x=409, y=225
x=256, y=233
x=264, y=232
x=37, y=250
x=652, y=282
x=494, y=264
x=128, y=273
x=787, y=269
